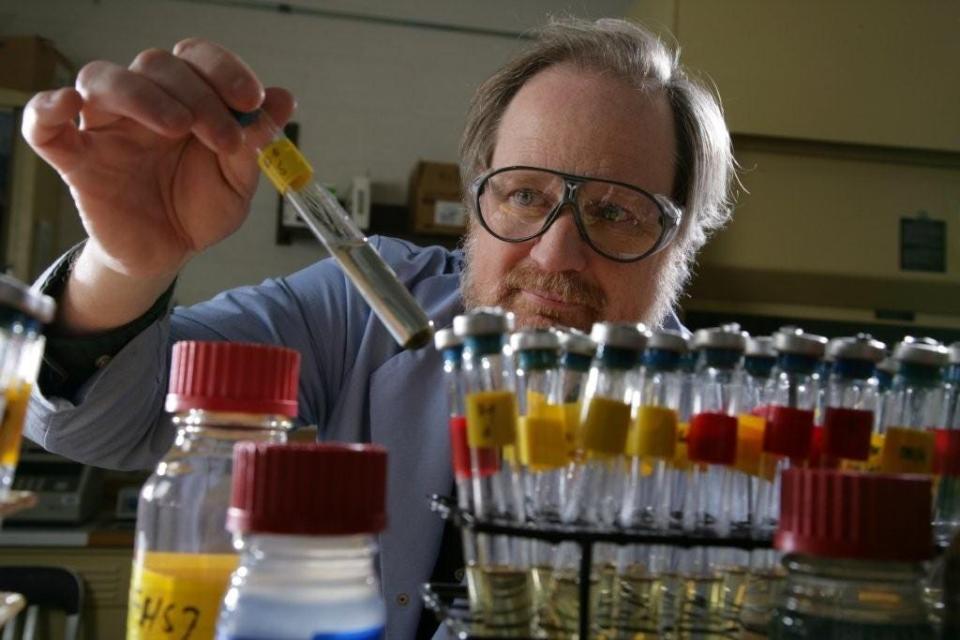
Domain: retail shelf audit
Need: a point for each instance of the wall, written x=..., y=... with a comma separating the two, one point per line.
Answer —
x=372, y=97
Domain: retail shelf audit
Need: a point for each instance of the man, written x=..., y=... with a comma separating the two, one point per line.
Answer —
x=594, y=169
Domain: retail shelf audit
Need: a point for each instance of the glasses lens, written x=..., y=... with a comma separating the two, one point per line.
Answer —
x=622, y=222
x=515, y=203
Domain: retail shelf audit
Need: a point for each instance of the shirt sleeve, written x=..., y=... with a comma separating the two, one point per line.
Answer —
x=115, y=419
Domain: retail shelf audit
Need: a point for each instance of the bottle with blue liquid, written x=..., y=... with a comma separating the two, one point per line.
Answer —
x=304, y=518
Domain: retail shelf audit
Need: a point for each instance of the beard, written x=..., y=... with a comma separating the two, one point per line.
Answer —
x=589, y=302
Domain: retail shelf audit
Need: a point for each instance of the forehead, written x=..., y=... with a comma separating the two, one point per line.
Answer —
x=589, y=123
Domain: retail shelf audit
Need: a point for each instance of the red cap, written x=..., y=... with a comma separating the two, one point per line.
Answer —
x=233, y=376
x=848, y=514
x=308, y=489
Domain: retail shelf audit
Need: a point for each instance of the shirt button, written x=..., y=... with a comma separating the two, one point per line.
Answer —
x=458, y=575
x=403, y=600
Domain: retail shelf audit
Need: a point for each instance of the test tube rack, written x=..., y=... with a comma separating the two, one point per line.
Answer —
x=449, y=601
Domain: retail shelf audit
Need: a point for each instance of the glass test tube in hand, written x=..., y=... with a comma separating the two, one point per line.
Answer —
x=292, y=175
x=500, y=579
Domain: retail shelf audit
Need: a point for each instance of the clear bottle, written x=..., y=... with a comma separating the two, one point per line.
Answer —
x=851, y=399
x=846, y=576
x=946, y=522
x=220, y=393
x=714, y=500
x=789, y=432
x=23, y=312
x=913, y=407
x=304, y=519
x=500, y=578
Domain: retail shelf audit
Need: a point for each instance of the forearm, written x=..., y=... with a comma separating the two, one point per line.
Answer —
x=97, y=298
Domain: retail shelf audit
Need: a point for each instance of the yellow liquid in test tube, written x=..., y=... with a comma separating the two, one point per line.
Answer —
x=16, y=399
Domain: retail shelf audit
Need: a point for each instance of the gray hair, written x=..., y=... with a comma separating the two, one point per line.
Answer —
x=705, y=166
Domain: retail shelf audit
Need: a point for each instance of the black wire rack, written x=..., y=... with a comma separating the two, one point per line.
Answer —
x=449, y=601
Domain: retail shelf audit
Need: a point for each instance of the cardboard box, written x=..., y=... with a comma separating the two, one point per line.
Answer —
x=435, y=202
x=32, y=63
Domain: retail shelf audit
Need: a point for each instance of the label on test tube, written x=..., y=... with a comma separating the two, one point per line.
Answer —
x=750, y=457
x=605, y=426
x=13, y=408
x=907, y=450
x=846, y=433
x=681, y=459
x=789, y=432
x=541, y=443
x=571, y=425
x=284, y=165
x=654, y=433
x=177, y=595
x=491, y=419
x=946, y=459
x=460, y=452
x=712, y=438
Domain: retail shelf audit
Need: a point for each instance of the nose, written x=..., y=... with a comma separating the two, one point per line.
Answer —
x=561, y=248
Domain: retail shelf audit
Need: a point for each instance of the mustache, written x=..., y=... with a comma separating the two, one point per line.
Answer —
x=565, y=285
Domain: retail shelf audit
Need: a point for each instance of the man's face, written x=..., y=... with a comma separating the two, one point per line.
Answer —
x=589, y=124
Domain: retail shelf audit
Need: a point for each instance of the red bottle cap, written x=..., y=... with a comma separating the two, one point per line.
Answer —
x=848, y=514
x=233, y=376
x=308, y=489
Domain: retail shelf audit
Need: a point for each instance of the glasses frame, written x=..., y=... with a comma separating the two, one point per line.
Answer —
x=670, y=214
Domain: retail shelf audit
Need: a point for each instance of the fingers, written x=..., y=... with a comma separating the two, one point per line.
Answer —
x=229, y=76
x=49, y=126
x=109, y=91
x=212, y=122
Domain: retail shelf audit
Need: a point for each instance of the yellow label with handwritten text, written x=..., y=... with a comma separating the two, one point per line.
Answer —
x=907, y=450
x=284, y=165
x=177, y=595
x=491, y=419
x=541, y=443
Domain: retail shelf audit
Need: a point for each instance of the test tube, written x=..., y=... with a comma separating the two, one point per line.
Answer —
x=913, y=408
x=23, y=312
x=652, y=440
x=292, y=175
x=946, y=522
x=850, y=400
x=716, y=492
x=500, y=578
x=597, y=476
x=789, y=431
x=576, y=353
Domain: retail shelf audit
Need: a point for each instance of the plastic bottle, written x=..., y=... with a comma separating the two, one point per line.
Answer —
x=304, y=517
x=847, y=577
x=220, y=393
x=913, y=407
x=851, y=400
x=789, y=432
